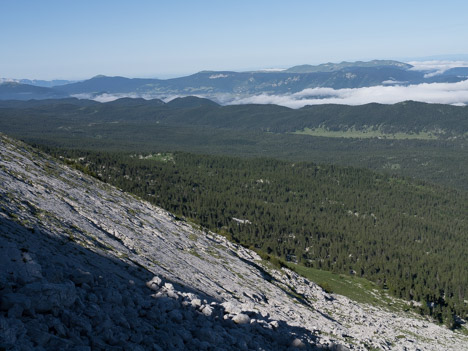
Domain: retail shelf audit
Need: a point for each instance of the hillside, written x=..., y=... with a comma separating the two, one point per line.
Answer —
x=106, y=84
x=87, y=249
x=405, y=120
x=338, y=219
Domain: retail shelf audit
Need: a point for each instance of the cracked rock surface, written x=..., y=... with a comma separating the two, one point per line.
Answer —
x=85, y=266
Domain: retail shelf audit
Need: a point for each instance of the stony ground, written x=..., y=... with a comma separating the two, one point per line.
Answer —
x=85, y=266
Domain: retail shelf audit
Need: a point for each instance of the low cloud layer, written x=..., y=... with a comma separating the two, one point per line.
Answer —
x=106, y=97
x=435, y=68
x=272, y=69
x=443, y=93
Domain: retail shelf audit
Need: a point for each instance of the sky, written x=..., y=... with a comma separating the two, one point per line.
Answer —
x=71, y=39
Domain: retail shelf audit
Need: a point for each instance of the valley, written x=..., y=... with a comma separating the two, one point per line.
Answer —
x=198, y=125
x=383, y=228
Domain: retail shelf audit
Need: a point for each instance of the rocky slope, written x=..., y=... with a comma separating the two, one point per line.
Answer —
x=86, y=266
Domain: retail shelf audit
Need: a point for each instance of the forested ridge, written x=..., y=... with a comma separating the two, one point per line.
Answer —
x=408, y=236
x=406, y=117
x=199, y=126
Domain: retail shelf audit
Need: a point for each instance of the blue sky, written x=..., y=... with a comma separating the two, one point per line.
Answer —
x=79, y=39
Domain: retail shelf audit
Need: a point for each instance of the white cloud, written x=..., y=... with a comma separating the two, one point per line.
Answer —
x=8, y=80
x=105, y=97
x=272, y=70
x=435, y=68
x=391, y=81
x=443, y=93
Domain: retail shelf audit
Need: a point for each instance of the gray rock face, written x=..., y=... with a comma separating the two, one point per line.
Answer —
x=87, y=267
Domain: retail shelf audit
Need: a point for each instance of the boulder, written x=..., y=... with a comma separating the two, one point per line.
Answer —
x=11, y=299
x=207, y=311
x=298, y=343
x=196, y=303
x=172, y=294
x=274, y=324
x=241, y=318
x=168, y=286
x=155, y=283
x=80, y=277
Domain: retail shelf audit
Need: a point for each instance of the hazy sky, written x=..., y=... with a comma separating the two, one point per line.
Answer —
x=73, y=39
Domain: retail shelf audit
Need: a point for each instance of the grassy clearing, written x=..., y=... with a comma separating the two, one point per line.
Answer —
x=355, y=288
x=160, y=157
x=364, y=134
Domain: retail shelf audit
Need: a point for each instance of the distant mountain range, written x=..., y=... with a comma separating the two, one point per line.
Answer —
x=332, y=67
x=38, y=82
x=19, y=91
x=213, y=84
